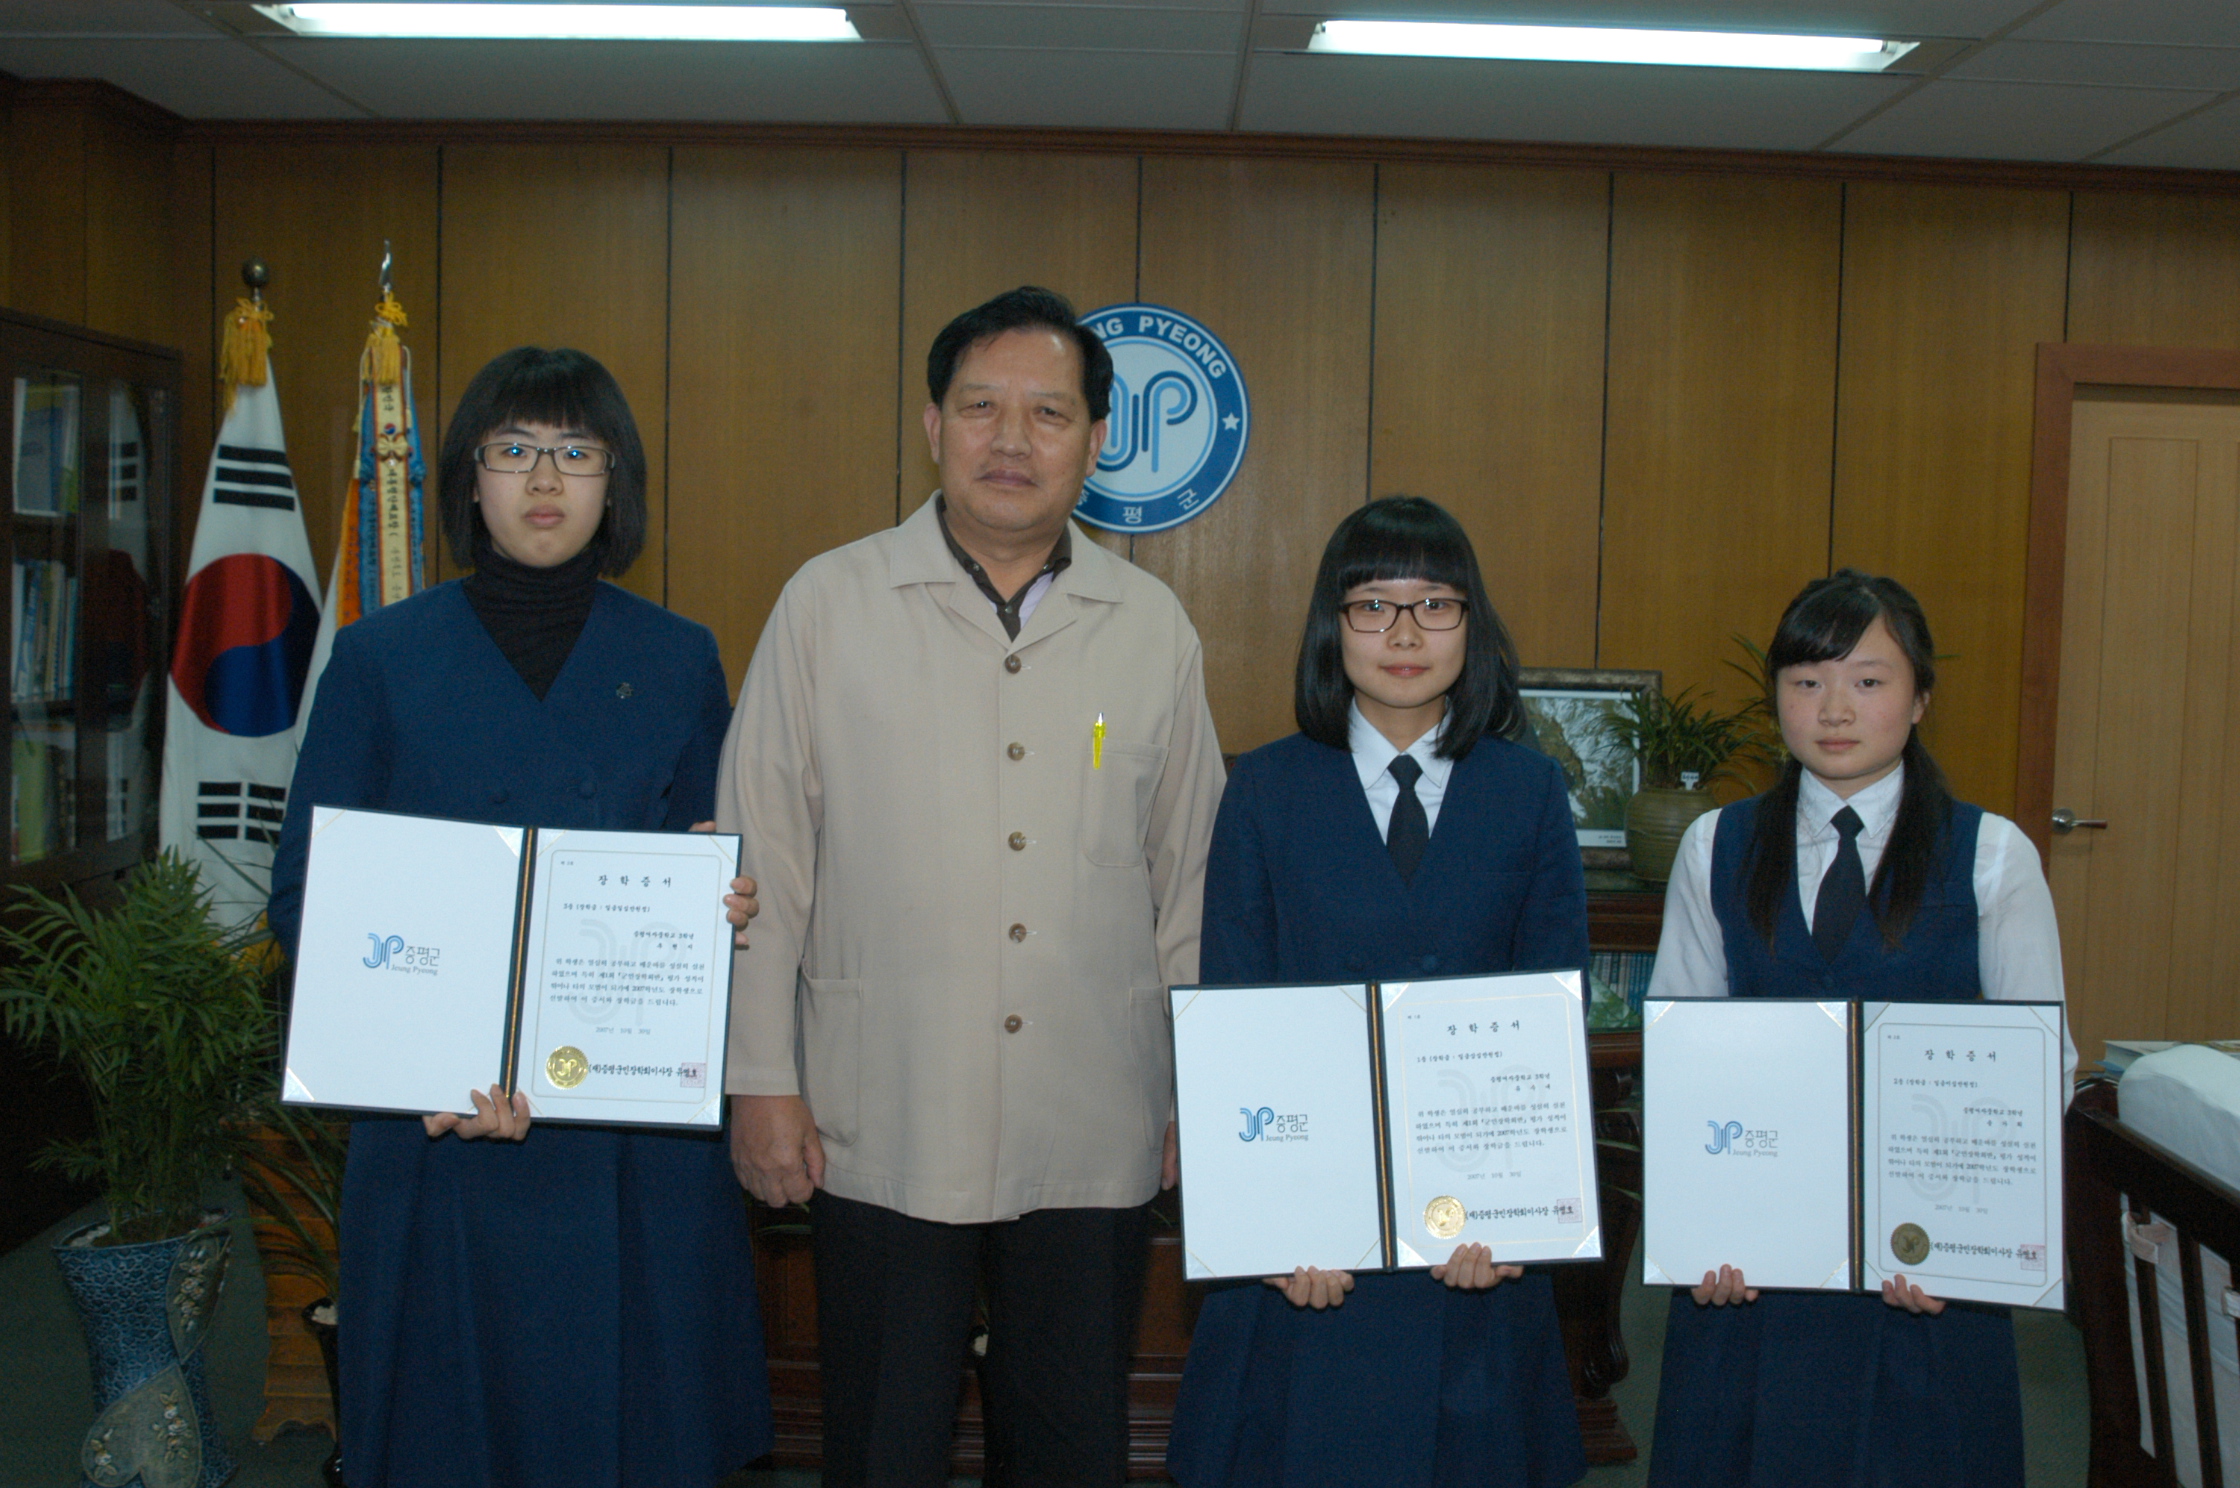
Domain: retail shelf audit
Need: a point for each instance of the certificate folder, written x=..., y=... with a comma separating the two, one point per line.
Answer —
x=1378, y=1125
x=590, y=970
x=1832, y=1145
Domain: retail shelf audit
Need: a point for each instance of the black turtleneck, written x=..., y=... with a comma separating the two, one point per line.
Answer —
x=534, y=614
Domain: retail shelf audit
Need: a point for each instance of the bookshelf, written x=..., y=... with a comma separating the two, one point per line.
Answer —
x=88, y=497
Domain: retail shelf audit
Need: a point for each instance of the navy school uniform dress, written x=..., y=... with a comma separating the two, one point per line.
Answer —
x=1408, y=1384
x=578, y=1307
x=1800, y=1389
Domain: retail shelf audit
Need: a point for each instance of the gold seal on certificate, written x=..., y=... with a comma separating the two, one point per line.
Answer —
x=1910, y=1244
x=1443, y=1217
x=566, y=1067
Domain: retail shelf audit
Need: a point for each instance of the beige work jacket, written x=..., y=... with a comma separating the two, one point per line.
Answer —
x=970, y=914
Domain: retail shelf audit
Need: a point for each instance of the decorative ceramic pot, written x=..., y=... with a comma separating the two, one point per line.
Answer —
x=1655, y=819
x=145, y=1309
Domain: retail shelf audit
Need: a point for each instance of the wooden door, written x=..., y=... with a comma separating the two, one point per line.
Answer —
x=2149, y=688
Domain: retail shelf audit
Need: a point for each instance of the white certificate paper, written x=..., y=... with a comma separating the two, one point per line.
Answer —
x=1490, y=1108
x=1373, y=1126
x=1962, y=1155
x=1746, y=1141
x=435, y=960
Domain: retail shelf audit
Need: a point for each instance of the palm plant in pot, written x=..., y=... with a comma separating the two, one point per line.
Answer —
x=165, y=1022
x=1684, y=744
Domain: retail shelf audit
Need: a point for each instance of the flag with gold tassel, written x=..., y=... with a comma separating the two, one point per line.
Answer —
x=379, y=557
x=247, y=620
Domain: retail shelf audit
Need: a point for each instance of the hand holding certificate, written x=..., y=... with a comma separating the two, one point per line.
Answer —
x=585, y=975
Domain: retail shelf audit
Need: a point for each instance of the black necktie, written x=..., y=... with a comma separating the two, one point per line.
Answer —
x=1843, y=892
x=1410, y=832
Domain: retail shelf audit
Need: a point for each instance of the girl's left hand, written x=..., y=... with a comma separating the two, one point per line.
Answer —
x=1896, y=1293
x=1471, y=1269
x=740, y=905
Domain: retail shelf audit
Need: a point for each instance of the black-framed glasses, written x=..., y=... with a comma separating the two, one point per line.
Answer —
x=514, y=457
x=1376, y=616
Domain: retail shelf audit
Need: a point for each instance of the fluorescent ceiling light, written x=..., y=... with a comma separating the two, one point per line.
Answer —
x=574, y=22
x=1608, y=44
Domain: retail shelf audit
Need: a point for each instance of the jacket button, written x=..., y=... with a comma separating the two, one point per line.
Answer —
x=1012, y=1024
x=1018, y=932
x=1018, y=842
x=1017, y=751
x=1011, y=663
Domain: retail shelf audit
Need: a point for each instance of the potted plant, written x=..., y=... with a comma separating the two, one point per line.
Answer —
x=1683, y=744
x=164, y=1020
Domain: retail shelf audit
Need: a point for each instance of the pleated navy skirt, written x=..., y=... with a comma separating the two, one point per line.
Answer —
x=574, y=1309
x=1407, y=1385
x=1817, y=1390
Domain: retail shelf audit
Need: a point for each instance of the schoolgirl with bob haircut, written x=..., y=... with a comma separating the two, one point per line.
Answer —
x=1399, y=833
x=1859, y=876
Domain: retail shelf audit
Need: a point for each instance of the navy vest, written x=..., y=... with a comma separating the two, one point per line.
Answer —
x=1936, y=962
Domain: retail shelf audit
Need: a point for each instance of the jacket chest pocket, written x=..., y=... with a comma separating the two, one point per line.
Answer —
x=1116, y=803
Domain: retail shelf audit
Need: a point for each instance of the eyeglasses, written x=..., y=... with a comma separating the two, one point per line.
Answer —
x=1376, y=616
x=512, y=457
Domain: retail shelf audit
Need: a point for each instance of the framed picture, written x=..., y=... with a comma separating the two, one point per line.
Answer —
x=1566, y=709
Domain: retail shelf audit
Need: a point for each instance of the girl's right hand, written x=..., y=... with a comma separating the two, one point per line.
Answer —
x=1723, y=1289
x=494, y=1116
x=1309, y=1286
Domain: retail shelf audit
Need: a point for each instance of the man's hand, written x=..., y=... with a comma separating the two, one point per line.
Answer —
x=494, y=1116
x=1471, y=1269
x=740, y=905
x=774, y=1148
x=1723, y=1288
x=1310, y=1286
x=1897, y=1293
x=1170, y=1162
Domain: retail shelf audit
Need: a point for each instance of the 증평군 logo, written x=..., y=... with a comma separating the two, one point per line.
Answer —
x=1179, y=421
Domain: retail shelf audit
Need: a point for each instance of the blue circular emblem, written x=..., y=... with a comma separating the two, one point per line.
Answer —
x=1178, y=425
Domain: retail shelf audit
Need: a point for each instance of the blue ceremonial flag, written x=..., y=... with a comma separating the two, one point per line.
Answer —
x=247, y=622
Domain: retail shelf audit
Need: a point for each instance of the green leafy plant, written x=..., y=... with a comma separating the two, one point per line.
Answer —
x=163, y=1018
x=1682, y=735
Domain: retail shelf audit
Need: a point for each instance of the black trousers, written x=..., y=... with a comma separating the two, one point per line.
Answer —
x=895, y=1304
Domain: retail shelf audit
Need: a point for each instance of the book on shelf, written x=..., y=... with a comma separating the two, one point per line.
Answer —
x=46, y=430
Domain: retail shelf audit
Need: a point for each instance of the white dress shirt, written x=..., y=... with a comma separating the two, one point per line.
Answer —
x=1373, y=755
x=2018, y=944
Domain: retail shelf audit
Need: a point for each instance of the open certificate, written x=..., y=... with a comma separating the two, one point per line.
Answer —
x=591, y=970
x=1370, y=1126
x=1832, y=1145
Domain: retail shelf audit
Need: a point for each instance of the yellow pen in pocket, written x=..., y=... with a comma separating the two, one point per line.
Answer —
x=1096, y=743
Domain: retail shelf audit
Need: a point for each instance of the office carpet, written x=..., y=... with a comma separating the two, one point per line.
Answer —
x=46, y=1403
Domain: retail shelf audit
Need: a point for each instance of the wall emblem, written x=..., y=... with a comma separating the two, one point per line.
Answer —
x=1179, y=421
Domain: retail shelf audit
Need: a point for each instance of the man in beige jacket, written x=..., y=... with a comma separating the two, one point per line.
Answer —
x=976, y=777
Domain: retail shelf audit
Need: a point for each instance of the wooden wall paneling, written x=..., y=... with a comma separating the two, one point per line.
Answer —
x=194, y=330
x=564, y=245
x=47, y=208
x=317, y=215
x=1722, y=390
x=1276, y=257
x=2151, y=270
x=7, y=179
x=1946, y=294
x=1491, y=308
x=783, y=352
x=132, y=280
x=976, y=223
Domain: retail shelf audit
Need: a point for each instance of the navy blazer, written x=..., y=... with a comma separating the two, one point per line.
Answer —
x=1299, y=886
x=420, y=712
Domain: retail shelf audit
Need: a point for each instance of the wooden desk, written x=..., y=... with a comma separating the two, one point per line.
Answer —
x=1623, y=915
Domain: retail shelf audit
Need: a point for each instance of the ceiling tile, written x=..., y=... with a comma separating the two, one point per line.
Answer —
x=770, y=82
x=210, y=78
x=2015, y=121
x=60, y=18
x=1089, y=90
x=2210, y=140
x=2170, y=22
x=1084, y=27
x=1842, y=17
x=2212, y=68
x=1711, y=108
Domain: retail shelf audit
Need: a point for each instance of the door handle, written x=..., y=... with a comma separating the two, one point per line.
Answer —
x=2066, y=821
